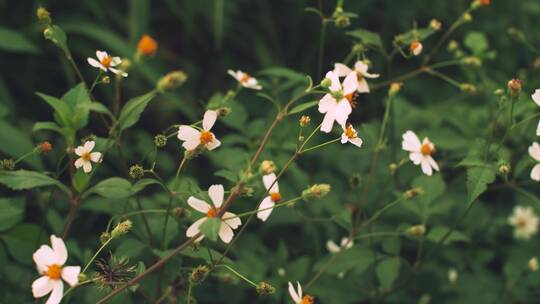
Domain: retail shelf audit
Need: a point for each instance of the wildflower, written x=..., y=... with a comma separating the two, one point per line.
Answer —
x=160, y=140
x=45, y=147
x=525, y=222
x=106, y=62
x=361, y=69
x=265, y=289
x=296, y=295
x=534, y=152
x=346, y=243
x=192, y=138
x=420, y=153
x=350, y=135
x=452, y=275
x=533, y=264
x=416, y=48
x=147, y=45
x=267, y=205
x=230, y=221
x=50, y=264
x=87, y=156
x=121, y=229
x=316, y=191
x=536, y=99
x=268, y=166
x=336, y=105
x=43, y=15
x=304, y=120
x=245, y=80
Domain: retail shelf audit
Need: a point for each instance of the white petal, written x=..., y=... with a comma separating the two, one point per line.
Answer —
x=115, y=61
x=334, y=79
x=299, y=289
x=293, y=294
x=89, y=145
x=70, y=274
x=101, y=54
x=361, y=67
x=327, y=103
x=345, y=243
x=344, y=138
x=363, y=86
x=194, y=228
x=357, y=142
x=79, y=163
x=80, y=150
x=433, y=163
x=538, y=129
x=96, y=64
x=341, y=70
x=233, y=74
x=342, y=112
x=268, y=180
x=59, y=249
x=534, y=151
x=42, y=257
x=350, y=83
x=266, y=208
x=535, y=173
x=225, y=233
x=213, y=144
x=209, y=119
x=232, y=220
x=198, y=204
x=186, y=133
x=416, y=157
x=42, y=286
x=57, y=293
x=118, y=72
x=426, y=167
x=328, y=122
x=87, y=166
x=95, y=157
x=411, y=142
x=332, y=246
x=216, y=193
x=536, y=96
x=190, y=145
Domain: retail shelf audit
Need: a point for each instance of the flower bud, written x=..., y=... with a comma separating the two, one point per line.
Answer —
x=395, y=87
x=106, y=79
x=247, y=191
x=435, y=24
x=417, y=230
x=7, y=164
x=160, y=140
x=43, y=15
x=147, y=46
x=533, y=264
x=45, y=147
x=453, y=45
x=222, y=112
x=412, y=193
x=82, y=277
x=468, y=88
x=198, y=274
x=471, y=61
x=136, y=172
x=342, y=21
x=171, y=81
x=326, y=83
x=315, y=192
x=121, y=229
x=478, y=3
x=498, y=92
x=393, y=168
x=304, y=120
x=466, y=17
x=104, y=237
x=514, y=87
x=452, y=275
x=416, y=48
x=267, y=167
x=358, y=48
x=265, y=289
x=504, y=168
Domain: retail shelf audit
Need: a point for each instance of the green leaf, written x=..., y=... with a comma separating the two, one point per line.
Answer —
x=16, y=142
x=46, y=125
x=437, y=233
x=302, y=107
x=114, y=187
x=476, y=42
x=210, y=228
x=23, y=179
x=357, y=258
x=477, y=180
x=21, y=242
x=141, y=184
x=11, y=211
x=388, y=271
x=81, y=180
x=62, y=110
x=15, y=42
x=58, y=37
x=131, y=112
x=78, y=100
x=368, y=38
x=228, y=175
x=98, y=107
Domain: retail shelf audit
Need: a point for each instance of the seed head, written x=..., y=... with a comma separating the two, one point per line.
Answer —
x=265, y=289
x=267, y=167
x=198, y=274
x=136, y=172
x=122, y=228
x=43, y=15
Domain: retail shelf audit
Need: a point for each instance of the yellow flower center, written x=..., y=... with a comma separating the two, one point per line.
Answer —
x=350, y=132
x=244, y=78
x=206, y=137
x=307, y=299
x=426, y=149
x=86, y=156
x=54, y=271
x=275, y=196
x=106, y=61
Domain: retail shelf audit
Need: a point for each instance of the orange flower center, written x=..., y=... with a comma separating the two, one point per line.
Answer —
x=350, y=132
x=54, y=271
x=147, y=45
x=275, y=196
x=244, y=78
x=426, y=149
x=212, y=212
x=86, y=156
x=485, y=2
x=206, y=137
x=414, y=46
x=307, y=299
x=106, y=61
x=521, y=223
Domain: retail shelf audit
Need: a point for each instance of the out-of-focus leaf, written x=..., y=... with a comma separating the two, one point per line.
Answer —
x=388, y=271
x=477, y=180
x=21, y=242
x=368, y=38
x=131, y=112
x=435, y=234
x=476, y=42
x=23, y=179
x=62, y=110
x=15, y=143
x=210, y=228
x=114, y=187
x=139, y=11
x=143, y=183
x=11, y=211
x=13, y=41
x=304, y=106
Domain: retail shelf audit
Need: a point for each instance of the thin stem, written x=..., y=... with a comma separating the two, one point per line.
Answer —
x=237, y=274
x=321, y=145
x=169, y=205
x=96, y=254
x=383, y=210
x=130, y=214
x=286, y=203
x=145, y=220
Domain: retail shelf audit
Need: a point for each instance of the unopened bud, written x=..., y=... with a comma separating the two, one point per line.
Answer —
x=7, y=164
x=393, y=168
x=247, y=191
x=104, y=237
x=417, y=230
x=304, y=120
x=514, y=87
x=416, y=48
x=326, y=83
x=453, y=45
x=435, y=24
x=43, y=15
x=45, y=147
x=121, y=229
x=533, y=264
x=472, y=61
x=315, y=192
x=171, y=81
x=395, y=87
x=198, y=274
x=160, y=140
x=106, y=79
x=82, y=277
x=358, y=48
x=478, y=3
x=468, y=88
x=342, y=21
x=222, y=112
x=466, y=17
x=504, y=168
x=412, y=193
x=267, y=167
x=452, y=275
x=136, y=172
x=265, y=289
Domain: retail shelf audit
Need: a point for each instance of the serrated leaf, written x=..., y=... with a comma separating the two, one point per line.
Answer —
x=23, y=179
x=304, y=106
x=477, y=180
x=210, y=228
x=114, y=187
x=388, y=271
x=131, y=112
x=226, y=174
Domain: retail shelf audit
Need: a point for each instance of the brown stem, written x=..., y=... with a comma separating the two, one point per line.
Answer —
x=71, y=215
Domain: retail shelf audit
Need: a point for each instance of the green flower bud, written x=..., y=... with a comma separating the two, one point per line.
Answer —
x=43, y=15
x=136, y=172
x=417, y=230
x=160, y=140
x=468, y=88
x=104, y=237
x=121, y=229
x=198, y=274
x=342, y=21
x=326, y=83
x=265, y=289
x=267, y=167
x=171, y=81
x=315, y=192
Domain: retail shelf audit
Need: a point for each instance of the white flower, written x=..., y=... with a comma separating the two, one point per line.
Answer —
x=296, y=295
x=192, y=137
x=416, y=48
x=350, y=135
x=452, y=275
x=536, y=98
x=534, y=152
x=267, y=205
x=106, y=62
x=336, y=105
x=245, y=79
x=50, y=264
x=334, y=248
x=420, y=153
x=229, y=220
x=361, y=70
x=525, y=222
x=87, y=156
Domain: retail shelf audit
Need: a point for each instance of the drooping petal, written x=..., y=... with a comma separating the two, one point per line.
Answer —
x=350, y=84
x=226, y=234
x=327, y=104
x=87, y=166
x=357, y=141
x=95, y=157
x=265, y=208
x=332, y=247
x=342, y=112
x=209, y=119
x=216, y=193
x=416, y=157
x=426, y=167
x=232, y=220
x=268, y=180
x=341, y=70
x=535, y=173
x=42, y=257
x=362, y=86
x=334, y=79
x=534, y=151
x=213, y=144
x=198, y=204
x=252, y=83
x=433, y=163
x=190, y=145
x=194, y=228
x=536, y=96
x=361, y=67
x=89, y=145
x=42, y=286
x=411, y=142
x=59, y=249
x=328, y=122
x=299, y=289
x=57, y=293
x=118, y=72
x=70, y=274
x=296, y=298
x=189, y=134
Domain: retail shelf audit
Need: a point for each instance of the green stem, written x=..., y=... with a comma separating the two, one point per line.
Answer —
x=130, y=214
x=383, y=210
x=79, y=284
x=238, y=274
x=289, y=202
x=24, y=156
x=96, y=254
x=321, y=145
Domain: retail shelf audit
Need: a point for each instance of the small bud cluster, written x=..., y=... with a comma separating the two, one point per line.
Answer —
x=267, y=167
x=198, y=274
x=265, y=289
x=136, y=172
x=121, y=229
x=171, y=81
x=315, y=192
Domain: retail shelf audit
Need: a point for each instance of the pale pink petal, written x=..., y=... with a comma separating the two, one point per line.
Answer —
x=534, y=151
x=332, y=247
x=350, y=83
x=535, y=173
x=341, y=70
x=87, y=166
x=42, y=286
x=328, y=122
x=186, y=133
x=95, y=157
x=80, y=150
x=299, y=289
x=361, y=67
x=232, y=220
x=59, y=249
x=357, y=142
x=101, y=54
x=70, y=274
x=536, y=96
x=433, y=163
x=342, y=112
x=194, y=228
x=216, y=193
x=213, y=144
x=79, y=163
x=57, y=293
x=538, y=129
x=198, y=204
x=209, y=119
x=268, y=180
x=344, y=138
x=226, y=234
x=416, y=157
x=426, y=167
x=265, y=208
x=118, y=72
x=42, y=257
x=293, y=294
x=334, y=80
x=411, y=142
x=89, y=145
x=363, y=86
x=96, y=64
x=233, y=74
x=327, y=103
